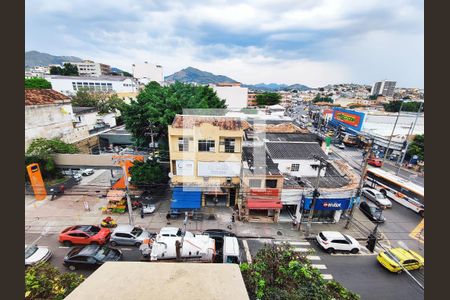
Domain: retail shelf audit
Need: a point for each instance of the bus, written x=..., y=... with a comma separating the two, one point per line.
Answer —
x=398, y=189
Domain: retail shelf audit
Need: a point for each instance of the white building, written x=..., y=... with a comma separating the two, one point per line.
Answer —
x=296, y=158
x=148, y=72
x=234, y=95
x=69, y=85
x=89, y=68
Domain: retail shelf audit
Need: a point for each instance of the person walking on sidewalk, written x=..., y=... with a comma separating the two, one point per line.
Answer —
x=168, y=218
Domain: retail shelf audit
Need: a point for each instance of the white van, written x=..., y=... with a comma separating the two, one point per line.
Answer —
x=231, y=252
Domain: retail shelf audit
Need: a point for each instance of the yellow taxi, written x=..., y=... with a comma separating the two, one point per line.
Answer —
x=409, y=259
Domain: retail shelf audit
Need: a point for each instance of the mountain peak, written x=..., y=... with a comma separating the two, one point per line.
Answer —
x=191, y=74
x=35, y=58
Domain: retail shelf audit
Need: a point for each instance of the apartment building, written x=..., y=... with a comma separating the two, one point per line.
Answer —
x=145, y=72
x=205, y=153
x=234, y=95
x=88, y=68
x=385, y=88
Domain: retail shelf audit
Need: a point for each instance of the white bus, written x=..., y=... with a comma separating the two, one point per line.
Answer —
x=398, y=189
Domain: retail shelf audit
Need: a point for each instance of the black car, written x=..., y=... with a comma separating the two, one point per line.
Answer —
x=91, y=256
x=373, y=212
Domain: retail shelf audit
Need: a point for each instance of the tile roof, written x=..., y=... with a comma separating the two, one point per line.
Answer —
x=44, y=96
x=225, y=123
x=264, y=165
x=280, y=128
x=294, y=150
x=290, y=137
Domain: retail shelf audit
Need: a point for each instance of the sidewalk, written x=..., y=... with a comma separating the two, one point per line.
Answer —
x=390, y=163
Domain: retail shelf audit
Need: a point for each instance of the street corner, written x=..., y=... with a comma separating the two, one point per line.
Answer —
x=418, y=233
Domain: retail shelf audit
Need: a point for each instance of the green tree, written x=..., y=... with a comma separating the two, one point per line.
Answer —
x=320, y=98
x=279, y=273
x=67, y=70
x=268, y=99
x=104, y=102
x=394, y=106
x=156, y=107
x=37, y=83
x=147, y=173
x=417, y=147
x=126, y=74
x=44, y=281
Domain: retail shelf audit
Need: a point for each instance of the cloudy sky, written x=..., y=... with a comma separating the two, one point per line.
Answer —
x=313, y=42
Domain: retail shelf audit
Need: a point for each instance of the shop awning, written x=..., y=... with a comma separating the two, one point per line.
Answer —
x=263, y=204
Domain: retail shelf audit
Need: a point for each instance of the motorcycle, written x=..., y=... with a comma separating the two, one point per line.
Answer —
x=56, y=193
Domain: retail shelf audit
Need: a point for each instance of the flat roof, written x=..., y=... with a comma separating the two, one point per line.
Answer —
x=162, y=280
x=295, y=150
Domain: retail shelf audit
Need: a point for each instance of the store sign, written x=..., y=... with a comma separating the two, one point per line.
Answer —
x=185, y=168
x=219, y=169
x=329, y=204
x=348, y=118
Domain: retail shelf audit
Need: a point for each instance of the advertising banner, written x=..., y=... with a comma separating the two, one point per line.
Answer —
x=185, y=168
x=348, y=118
x=219, y=169
x=328, y=204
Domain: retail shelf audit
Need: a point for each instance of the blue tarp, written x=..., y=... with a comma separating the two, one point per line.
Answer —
x=185, y=198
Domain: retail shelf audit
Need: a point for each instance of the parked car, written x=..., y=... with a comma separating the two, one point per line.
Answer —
x=376, y=197
x=77, y=177
x=148, y=209
x=128, y=235
x=331, y=241
x=84, y=235
x=341, y=146
x=91, y=256
x=87, y=172
x=35, y=254
x=376, y=162
x=393, y=260
x=373, y=212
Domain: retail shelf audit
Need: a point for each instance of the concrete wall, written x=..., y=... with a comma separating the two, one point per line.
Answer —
x=48, y=121
x=149, y=71
x=86, y=119
x=305, y=168
x=109, y=119
x=64, y=85
x=104, y=160
x=235, y=96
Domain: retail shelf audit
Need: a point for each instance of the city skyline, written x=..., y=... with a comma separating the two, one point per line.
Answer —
x=313, y=42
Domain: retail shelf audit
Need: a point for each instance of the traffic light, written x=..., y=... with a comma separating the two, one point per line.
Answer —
x=371, y=241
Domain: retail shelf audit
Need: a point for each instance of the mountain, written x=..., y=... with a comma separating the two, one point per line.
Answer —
x=35, y=58
x=195, y=75
x=277, y=87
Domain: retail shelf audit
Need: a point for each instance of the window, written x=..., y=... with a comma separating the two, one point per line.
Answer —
x=229, y=145
x=271, y=183
x=206, y=146
x=123, y=235
x=183, y=144
x=340, y=242
x=79, y=258
x=410, y=261
x=295, y=167
x=255, y=183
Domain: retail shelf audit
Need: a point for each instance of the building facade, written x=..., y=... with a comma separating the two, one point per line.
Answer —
x=88, y=68
x=385, y=88
x=69, y=85
x=145, y=72
x=251, y=99
x=205, y=165
x=234, y=95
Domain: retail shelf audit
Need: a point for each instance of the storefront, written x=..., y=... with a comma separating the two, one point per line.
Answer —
x=326, y=210
x=263, y=205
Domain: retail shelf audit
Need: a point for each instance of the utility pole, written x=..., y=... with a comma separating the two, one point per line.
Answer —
x=407, y=142
x=151, y=135
x=361, y=182
x=392, y=133
x=322, y=163
x=121, y=160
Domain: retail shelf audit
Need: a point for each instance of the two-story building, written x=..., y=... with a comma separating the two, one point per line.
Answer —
x=205, y=166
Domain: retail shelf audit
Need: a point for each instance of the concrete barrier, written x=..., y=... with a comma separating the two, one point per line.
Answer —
x=85, y=160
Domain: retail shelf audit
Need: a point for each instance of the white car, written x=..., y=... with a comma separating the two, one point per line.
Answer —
x=36, y=254
x=332, y=241
x=148, y=208
x=87, y=172
x=376, y=197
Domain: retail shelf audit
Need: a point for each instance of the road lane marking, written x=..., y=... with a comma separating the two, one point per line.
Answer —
x=247, y=251
x=320, y=267
x=301, y=249
x=63, y=247
x=126, y=249
x=313, y=257
x=327, y=276
x=292, y=243
x=416, y=233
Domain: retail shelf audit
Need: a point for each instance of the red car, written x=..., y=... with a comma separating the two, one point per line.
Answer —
x=376, y=162
x=84, y=235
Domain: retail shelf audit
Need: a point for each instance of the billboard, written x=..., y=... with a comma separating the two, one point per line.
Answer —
x=348, y=118
x=328, y=204
x=219, y=169
x=185, y=168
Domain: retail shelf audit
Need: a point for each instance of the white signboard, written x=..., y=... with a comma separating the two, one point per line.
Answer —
x=219, y=169
x=185, y=168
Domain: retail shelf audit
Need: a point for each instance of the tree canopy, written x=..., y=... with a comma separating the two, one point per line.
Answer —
x=320, y=98
x=103, y=101
x=268, y=99
x=394, y=106
x=147, y=173
x=67, y=70
x=156, y=107
x=417, y=147
x=37, y=83
x=279, y=273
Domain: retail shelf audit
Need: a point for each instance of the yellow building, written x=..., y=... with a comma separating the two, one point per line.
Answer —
x=206, y=155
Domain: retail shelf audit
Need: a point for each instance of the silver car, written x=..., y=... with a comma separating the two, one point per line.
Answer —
x=376, y=197
x=36, y=254
x=128, y=235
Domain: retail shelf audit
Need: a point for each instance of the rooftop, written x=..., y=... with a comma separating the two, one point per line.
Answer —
x=44, y=96
x=332, y=180
x=294, y=150
x=163, y=280
x=79, y=110
x=225, y=123
x=290, y=137
x=262, y=166
x=81, y=78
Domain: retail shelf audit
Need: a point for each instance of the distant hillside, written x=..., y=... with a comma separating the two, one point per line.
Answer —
x=277, y=87
x=35, y=58
x=195, y=75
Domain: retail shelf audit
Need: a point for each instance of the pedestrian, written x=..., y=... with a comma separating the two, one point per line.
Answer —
x=233, y=217
x=142, y=212
x=294, y=223
x=168, y=218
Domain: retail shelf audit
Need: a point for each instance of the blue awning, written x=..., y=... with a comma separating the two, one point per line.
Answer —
x=185, y=198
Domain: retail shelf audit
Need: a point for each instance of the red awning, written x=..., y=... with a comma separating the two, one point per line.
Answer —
x=263, y=204
x=264, y=192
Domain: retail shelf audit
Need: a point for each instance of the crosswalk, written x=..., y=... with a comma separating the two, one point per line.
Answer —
x=305, y=246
